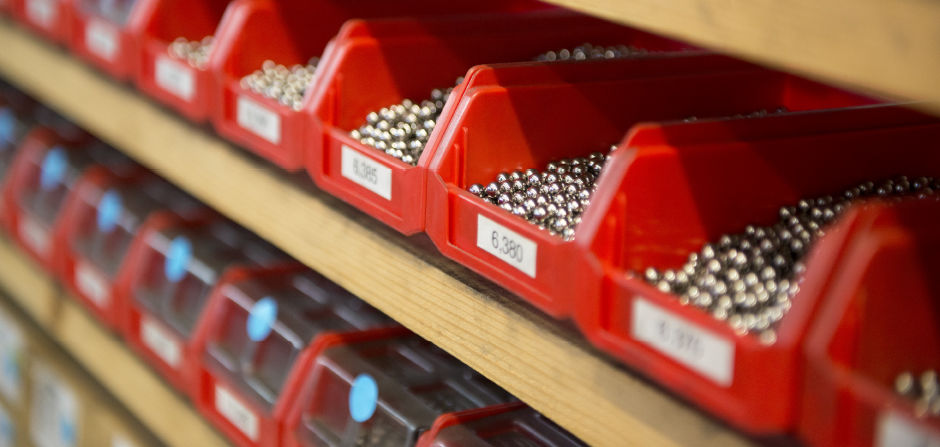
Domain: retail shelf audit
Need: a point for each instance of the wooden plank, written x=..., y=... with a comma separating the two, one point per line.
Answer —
x=29, y=285
x=548, y=367
x=886, y=47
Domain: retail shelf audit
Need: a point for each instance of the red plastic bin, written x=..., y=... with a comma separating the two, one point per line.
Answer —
x=187, y=89
x=106, y=33
x=101, y=222
x=172, y=269
x=261, y=332
x=290, y=32
x=14, y=123
x=878, y=319
x=398, y=59
x=42, y=180
x=498, y=128
x=667, y=193
x=382, y=390
x=513, y=424
x=51, y=19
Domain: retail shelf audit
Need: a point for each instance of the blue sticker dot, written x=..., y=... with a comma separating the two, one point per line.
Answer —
x=261, y=318
x=7, y=127
x=177, y=258
x=67, y=431
x=53, y=168
x=109, y=211
x=363, y=398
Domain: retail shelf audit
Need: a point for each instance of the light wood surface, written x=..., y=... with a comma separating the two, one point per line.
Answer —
x=24, y=279
x=541, y=362
x=888, y=47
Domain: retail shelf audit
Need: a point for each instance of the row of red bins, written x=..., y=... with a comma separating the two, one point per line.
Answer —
x=272, y=353
x=671, y=184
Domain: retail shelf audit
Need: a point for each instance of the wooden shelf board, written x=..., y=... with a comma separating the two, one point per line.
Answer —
x=885, y=47
x=538, y=360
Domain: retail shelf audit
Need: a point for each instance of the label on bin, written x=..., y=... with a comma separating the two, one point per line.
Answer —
x=895, y=430
x=101, y=38
x=7, y=430
x=174, y=77
x=367, y=172
x=11, y=355
x=507, y=245
x=34, y=235
x=259, y=120
x=92, y=284
x=685, y=342
x=160, y=341
x=42, y=12
x=54, y=413
x=236, y=412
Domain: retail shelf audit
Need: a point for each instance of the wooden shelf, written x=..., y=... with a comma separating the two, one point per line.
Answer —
x=114, y=366
x=886, y=47
x=542, y=362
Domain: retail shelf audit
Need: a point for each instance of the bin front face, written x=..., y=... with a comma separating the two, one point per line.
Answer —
x=386, y=392
x=50, y=18
x=104, y=34
x=505, y=425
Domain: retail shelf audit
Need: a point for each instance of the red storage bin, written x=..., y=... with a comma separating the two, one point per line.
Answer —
x=290, y=32
x=42, y=180
x=712, y=179
x=187, y=89
x=102, y=221
x=878, y=319
x=14, y=124
x=513, y=424
x=106, y=33
x=398, y=59
x=50, y=18
x=499, y=128
x=172, y=269
x=382, y=390
x=261, y=332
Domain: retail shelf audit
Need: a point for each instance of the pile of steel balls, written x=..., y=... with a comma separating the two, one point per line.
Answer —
x=195, y=53
x=403, y=129
x=590, y=52
x=287, y=85
x=748, y=279
x=553, y=199
x=923, y=390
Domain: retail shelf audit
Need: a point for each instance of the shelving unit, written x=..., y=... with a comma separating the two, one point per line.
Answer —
x=884, y=47
x=539, y=360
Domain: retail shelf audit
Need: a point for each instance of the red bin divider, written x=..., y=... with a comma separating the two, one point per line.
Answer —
x=51, y=19
x=666, y=194
x=171, y=271
x=507, y=424
x=42, y=180
x=499, y=128
x=102, y=222
x=375, y=388
x=273, y=320
x=291, y=32
x=187, y=89
x=109, y=43
x=878, y=318
x=398, y=59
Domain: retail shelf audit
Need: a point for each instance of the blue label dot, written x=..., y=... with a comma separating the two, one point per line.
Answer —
x=363, y=398
x=109, y=211
x=67, y=431
x=261, y=318
x=177, y=258
x=53, y=168
x=7, y=127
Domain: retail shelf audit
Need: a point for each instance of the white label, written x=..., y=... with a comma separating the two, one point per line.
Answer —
x=101, y=38
x=174, y=77
x=236, y=412
x=11, y=358
x=34, y=235
x=160, y=341
x=7, y=429
x=697, y=348
x=895, y=430
x=259, y=120
x=367, y=172
x=91, y=284
x=53, y=419
x=507, y=245
x=42, y=12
